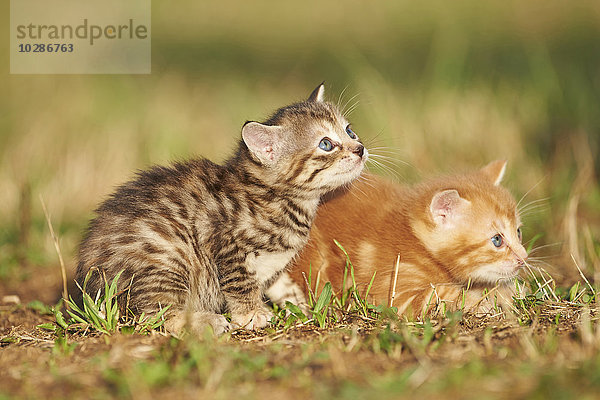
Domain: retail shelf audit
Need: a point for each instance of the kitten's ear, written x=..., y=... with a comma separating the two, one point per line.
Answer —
x=495, y=171
x=318, y=94
x=446, y=206
x=263, y=141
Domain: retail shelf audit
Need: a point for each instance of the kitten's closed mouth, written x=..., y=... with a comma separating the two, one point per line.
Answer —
x=362, y=158
x=514, y=270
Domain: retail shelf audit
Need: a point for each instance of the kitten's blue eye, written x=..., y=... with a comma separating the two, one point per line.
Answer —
x=497, y=240
x=350, y=132
x=325, y=144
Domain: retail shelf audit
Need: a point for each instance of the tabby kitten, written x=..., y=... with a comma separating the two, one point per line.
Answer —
x=450, y=233
x=206, y=238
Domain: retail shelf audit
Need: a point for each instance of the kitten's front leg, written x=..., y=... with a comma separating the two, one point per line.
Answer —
x=285, y=289
x=475, y=300
x=244, y=299
x=179, y=321
x=255, y=319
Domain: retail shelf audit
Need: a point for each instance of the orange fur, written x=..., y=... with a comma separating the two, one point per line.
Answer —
x=441, y=229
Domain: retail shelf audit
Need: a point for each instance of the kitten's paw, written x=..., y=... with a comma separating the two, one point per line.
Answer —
x=253, y=320
x=197, y=323
x=498, y=299
x=219, y=324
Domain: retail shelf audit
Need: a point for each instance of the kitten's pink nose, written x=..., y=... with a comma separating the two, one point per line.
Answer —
x=522, y=255
x=359, y=150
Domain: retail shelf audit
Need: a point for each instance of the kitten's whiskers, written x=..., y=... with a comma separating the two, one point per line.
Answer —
x=344, y=109
x=375, y=139
x=351, y=108
x=541, y=262
x=538, y=248
x=546, y=287
x=384, y=161
x=365, y=179
x=340, y=98
x=534, y=205
x=529, y=191
x=384, y=167
x=356, y=188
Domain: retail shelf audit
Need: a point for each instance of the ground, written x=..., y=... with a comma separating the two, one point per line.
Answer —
x=546, y=350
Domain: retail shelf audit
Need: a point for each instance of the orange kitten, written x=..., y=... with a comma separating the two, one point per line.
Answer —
x=451, y=234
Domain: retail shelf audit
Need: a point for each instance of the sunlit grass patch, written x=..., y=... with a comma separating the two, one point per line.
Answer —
x=103, y=313
x=351, y=355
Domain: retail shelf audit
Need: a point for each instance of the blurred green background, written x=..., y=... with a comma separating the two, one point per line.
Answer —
x=441, y=87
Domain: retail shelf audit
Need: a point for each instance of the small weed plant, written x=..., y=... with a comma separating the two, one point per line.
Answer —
x=103, y=314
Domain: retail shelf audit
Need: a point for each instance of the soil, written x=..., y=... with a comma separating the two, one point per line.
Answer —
x=32, y=364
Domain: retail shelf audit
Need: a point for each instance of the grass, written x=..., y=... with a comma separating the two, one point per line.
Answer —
x=351, y=356
x=348, y=349
x=327, y=307
x=439, y=89
x=103, y=313
x=442, y=92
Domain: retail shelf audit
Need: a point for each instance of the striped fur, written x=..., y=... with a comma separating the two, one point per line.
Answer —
x=441, y=249
x=206, y=238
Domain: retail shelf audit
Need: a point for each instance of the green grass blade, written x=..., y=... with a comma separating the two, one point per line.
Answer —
x=533, y=241
x=370, y=284
x=60, y=320
x=93, y=312
x=77, y=318
x=296, y=311
x=114, y=285
x=49, y=326
x=366, y=305
x=324, y=298
x=344, y=292
x=309, y=280
x=74, y=306
x=158, y=320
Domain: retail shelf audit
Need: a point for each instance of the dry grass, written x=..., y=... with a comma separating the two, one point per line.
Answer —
x=368, y=358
